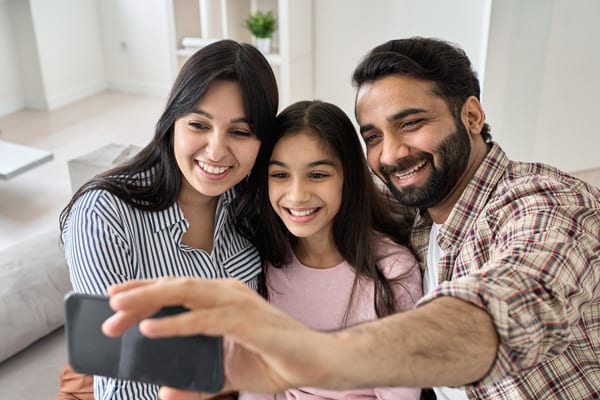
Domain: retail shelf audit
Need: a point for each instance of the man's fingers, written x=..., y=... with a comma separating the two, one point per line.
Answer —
x=187, y=292
x=135, y=301
x=122, y=287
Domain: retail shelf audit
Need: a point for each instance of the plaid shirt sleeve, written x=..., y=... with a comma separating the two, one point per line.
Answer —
x=532, y=260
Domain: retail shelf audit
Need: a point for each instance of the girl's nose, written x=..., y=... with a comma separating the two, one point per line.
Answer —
x=298, y=192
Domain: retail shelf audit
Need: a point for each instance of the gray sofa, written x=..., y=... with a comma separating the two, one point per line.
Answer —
x=34, y=279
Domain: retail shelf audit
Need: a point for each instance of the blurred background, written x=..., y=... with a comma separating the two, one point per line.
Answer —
x=78, y=74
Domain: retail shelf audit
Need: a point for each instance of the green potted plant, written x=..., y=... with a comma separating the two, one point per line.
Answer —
x=262, y=25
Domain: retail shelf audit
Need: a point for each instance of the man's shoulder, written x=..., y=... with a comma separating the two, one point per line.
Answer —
x=539, y=178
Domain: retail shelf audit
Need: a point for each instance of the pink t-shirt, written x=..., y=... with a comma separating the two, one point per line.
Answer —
x=319, y=299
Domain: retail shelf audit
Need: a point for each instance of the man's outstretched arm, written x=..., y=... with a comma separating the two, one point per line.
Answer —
x=445, y=342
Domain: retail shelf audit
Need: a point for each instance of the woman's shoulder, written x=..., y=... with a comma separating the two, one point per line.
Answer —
x=96, y=199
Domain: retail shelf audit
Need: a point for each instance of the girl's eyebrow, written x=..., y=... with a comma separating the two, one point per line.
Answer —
x=311, y=165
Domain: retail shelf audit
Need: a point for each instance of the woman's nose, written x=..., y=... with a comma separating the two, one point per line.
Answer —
x=216, y=146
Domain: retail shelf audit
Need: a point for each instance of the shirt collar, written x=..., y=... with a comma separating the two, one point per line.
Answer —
x=173, y=215
x=474, y=197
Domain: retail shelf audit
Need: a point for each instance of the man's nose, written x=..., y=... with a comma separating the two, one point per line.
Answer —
x=393, y=149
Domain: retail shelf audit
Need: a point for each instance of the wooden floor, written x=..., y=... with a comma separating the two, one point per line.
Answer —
x=31, y=202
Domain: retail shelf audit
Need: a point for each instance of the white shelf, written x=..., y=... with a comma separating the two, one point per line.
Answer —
x=273, y=58
x=292, y=60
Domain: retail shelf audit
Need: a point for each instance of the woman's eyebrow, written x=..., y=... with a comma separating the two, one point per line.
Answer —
x=208, y=115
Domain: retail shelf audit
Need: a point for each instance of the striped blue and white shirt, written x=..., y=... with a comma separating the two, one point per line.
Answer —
x=108, y=241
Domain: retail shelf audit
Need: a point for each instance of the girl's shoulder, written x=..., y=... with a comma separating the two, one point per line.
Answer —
x=393, y=258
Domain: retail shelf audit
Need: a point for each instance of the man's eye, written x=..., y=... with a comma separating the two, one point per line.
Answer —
x=372, y=138
x=411, y=125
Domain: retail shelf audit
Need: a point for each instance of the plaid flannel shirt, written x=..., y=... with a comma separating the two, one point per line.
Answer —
x=523, y=243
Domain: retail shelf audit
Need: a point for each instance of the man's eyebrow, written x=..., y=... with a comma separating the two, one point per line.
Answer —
x=394, y=117
x=364, y=128
x=405, y=113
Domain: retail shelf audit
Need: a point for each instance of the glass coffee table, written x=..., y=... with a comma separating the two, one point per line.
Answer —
x=17, y=158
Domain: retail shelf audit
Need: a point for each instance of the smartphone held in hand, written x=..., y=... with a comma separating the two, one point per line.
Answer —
x=184, y=362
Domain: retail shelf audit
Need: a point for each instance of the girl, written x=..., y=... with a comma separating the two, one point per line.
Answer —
x=184, y=206
x=327, y=243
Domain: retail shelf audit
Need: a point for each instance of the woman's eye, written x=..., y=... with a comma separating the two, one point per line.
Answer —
x=240, y=132
x=197, y=125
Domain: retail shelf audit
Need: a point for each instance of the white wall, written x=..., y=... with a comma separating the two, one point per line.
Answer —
x=138, y=45
x=68, y=42
x=542, y=81
x=12, y=97
x=345, y=30
x=50, y=51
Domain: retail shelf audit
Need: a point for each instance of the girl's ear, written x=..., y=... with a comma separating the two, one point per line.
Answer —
x=472, y=115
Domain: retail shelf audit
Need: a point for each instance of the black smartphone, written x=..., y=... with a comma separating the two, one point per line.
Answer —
x=185, y=362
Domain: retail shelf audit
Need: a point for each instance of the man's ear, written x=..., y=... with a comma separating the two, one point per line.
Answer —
x=472, y=115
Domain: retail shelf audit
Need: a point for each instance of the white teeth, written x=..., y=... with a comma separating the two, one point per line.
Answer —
x=302, y=213
x=211, y=169
x=410, y=172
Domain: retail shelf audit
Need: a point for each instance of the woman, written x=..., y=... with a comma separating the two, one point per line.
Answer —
x=184, y=205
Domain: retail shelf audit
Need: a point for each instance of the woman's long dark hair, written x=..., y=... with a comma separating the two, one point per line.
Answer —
x=364, y=211
x=222, y=60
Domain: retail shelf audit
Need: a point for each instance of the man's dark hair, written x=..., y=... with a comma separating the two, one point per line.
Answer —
x=444, y=64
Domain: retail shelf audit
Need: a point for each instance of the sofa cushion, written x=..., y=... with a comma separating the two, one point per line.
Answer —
x=33, y=281
x=86, y=166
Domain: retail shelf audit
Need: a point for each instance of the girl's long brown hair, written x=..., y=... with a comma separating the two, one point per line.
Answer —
x=365, y=212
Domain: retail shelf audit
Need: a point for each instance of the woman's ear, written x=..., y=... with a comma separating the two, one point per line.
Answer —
x=472, y=115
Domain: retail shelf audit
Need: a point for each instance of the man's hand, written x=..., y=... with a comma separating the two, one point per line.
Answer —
x=266, y=351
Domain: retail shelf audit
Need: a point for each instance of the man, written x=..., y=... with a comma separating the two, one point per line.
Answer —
x=511, y=253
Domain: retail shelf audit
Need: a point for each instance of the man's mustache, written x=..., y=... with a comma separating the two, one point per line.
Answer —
x=405, y=164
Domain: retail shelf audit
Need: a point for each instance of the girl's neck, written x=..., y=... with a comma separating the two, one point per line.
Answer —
x=317, y=253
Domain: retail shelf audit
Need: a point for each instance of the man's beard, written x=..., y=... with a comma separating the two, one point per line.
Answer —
x=453, y=153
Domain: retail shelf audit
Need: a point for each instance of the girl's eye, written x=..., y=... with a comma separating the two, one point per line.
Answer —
x=278, y=175
x=318, y=175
